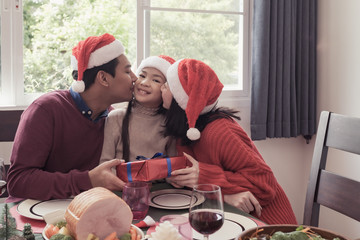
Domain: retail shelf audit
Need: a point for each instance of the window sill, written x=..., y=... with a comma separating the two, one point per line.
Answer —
x=12, y=107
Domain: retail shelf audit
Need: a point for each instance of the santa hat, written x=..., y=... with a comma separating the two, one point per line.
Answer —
x=161, y=63
x=196, y=89
x=92, y=52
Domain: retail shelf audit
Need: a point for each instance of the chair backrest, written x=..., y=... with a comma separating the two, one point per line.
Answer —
x=9, y=121
x=325, y=188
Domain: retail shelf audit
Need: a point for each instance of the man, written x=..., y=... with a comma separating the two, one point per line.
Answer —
x=59, y=139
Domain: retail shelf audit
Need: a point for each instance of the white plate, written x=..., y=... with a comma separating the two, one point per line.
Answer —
x=173, y=199
x=35, y=209
x=138, y=230
x=234, y=224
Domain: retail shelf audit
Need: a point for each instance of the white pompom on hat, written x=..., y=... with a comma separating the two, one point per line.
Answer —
x=196, y=88
x=92, y=52
x=161, y=63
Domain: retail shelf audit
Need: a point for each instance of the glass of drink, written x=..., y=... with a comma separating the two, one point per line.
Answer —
x=136, y=195
x=208, y=216
x=2, y=177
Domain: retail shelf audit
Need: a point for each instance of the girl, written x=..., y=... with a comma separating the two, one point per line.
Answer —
x=136, y=130
x=224, y=154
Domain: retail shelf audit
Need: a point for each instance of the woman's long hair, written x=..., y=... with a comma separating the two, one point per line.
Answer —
x=125, y=129
x=176, y=124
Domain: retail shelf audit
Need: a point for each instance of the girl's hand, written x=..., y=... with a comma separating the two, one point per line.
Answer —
x=245, y=201
x=187, y=176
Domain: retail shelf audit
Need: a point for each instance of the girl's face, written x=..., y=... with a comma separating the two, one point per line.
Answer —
x=166, y=95
x=147, y=87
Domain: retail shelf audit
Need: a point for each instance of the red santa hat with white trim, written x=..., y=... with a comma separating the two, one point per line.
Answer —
x=196, y=88
x=161, y=62
x=93, y=52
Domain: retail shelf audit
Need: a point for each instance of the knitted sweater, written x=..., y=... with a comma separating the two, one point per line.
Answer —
x=54, y=147
x=228, y=158
x=145, y=137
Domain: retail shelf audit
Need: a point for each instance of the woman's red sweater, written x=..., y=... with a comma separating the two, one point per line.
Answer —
x=228, y=158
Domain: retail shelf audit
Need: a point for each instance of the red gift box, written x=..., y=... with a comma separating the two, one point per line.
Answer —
x=150, y=169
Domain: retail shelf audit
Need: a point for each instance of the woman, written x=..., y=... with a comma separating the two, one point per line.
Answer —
x=224, y=154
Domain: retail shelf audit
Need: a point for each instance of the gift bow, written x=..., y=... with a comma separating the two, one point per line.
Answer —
x=156, y=155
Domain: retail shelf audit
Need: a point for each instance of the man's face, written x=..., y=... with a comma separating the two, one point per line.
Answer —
x=121, y=86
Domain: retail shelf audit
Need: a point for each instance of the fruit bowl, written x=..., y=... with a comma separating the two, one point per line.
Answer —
x=270, y=229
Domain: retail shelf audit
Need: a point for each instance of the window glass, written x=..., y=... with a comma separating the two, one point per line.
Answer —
x=53, y=27
x=37, y=38
x=208, y=30
x=212, y=38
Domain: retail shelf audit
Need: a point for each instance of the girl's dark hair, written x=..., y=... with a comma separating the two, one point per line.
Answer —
x=90, y=74
x=125, y=129
x=176, y=124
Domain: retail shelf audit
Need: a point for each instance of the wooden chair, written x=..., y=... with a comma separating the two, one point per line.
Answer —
x=325, y=188
x=9, y=121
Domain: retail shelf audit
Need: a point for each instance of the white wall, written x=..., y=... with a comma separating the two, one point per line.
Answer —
x=339, y=85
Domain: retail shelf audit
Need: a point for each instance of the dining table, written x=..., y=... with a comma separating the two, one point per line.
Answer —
x=154, y=212
x=157, y=213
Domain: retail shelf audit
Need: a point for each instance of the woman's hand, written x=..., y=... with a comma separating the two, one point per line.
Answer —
x=103, y=176
x=187, y=176
x=245, y=201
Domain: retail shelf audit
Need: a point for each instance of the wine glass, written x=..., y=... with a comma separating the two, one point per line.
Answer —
x=208, y=216
x=2, y=177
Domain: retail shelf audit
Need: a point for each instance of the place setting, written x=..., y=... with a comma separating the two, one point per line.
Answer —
x=205, y=208
x=187, y=212
x=173, y=199
x=34, y=211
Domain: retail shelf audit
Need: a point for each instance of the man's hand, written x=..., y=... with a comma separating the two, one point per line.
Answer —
x=244, y=201
x=102, y=176
x=187, y=176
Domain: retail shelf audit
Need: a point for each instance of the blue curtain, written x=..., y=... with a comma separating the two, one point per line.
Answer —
x=283, y=93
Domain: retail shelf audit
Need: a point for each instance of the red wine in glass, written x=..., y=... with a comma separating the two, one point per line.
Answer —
x=205, y=221
x=206, y=213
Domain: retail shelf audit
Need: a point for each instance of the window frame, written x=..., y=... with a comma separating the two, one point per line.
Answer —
x=143, y=36
x=12, y=94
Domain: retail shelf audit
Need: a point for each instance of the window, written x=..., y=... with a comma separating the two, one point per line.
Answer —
x=37, y=37
x=213, y=31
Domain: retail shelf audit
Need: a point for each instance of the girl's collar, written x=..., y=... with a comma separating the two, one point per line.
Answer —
x=145, y=110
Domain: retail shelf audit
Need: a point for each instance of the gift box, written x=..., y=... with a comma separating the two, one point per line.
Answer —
x=150, y=169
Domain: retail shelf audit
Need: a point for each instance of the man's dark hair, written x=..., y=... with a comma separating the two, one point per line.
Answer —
x=90, y=74
x=176, y=123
